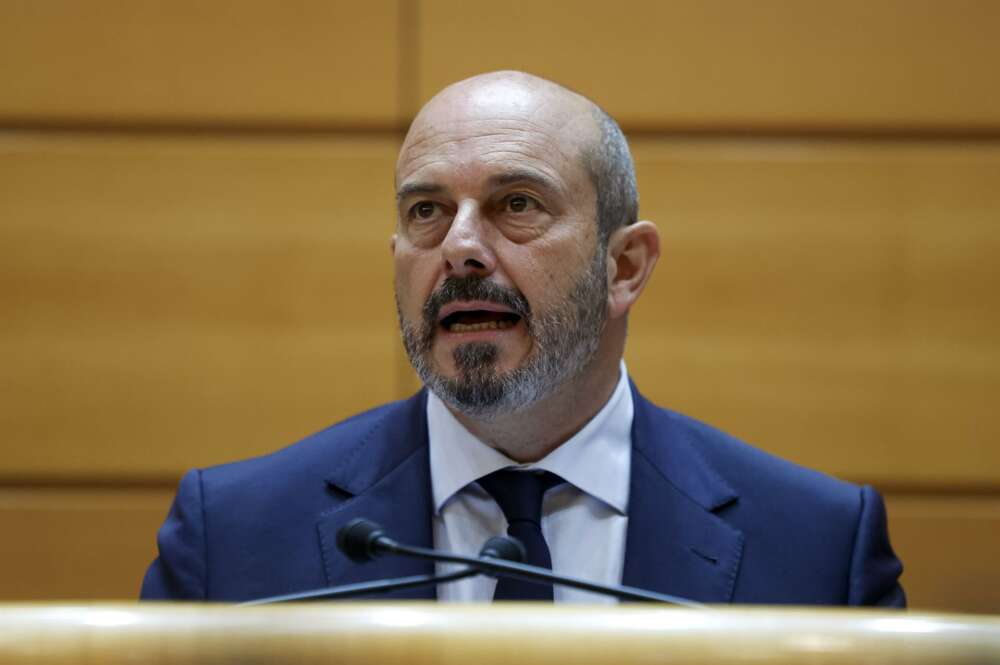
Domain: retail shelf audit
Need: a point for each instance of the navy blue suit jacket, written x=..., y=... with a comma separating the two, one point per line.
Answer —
x=710, y=518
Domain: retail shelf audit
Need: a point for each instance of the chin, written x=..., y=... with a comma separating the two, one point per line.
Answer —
x=503, y=364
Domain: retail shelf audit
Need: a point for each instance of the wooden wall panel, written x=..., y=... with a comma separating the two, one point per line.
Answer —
x=78, y=543
x=833, y=302
x=949, y=547
x=171, y=302
x=256, y=61
x=727, y=63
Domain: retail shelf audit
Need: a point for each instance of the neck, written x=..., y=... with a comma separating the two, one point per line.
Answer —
x=530, y=434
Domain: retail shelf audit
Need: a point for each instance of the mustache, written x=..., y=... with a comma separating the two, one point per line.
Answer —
x=474, y=287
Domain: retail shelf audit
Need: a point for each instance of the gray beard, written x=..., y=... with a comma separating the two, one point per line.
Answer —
x=565, y=340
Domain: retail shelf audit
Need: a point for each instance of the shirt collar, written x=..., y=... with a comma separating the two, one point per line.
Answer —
x=596, y=459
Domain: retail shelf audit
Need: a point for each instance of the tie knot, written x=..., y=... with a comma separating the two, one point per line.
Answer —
x=519, y=493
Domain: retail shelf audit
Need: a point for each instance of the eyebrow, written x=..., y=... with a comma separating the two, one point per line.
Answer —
x=412, y=188
x=521, y=175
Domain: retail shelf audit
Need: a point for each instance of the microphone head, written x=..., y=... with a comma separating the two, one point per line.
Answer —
x=358, y=539
x=504, y=547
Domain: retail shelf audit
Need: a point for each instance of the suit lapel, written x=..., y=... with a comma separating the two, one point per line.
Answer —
x=384, y=476
x=676, y=543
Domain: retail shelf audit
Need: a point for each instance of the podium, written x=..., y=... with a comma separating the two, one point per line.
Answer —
x=364, y=633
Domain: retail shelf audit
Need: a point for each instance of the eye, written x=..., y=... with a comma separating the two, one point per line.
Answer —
x=424, y=210
x=520, y=203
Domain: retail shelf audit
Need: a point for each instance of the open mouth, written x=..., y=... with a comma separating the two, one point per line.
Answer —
x=474, y=320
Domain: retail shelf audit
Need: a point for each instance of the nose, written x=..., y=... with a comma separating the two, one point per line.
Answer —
x=467, y=248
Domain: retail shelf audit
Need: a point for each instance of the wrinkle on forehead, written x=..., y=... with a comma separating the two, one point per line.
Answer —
x=528, y=142
x=470, y=162
x=450, y=134
x=464, y=160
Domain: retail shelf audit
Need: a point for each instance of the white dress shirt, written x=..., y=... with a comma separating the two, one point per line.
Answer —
x=584, y=520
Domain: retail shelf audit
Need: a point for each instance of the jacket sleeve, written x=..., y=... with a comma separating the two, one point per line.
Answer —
x=179, y=573
x=875, y=570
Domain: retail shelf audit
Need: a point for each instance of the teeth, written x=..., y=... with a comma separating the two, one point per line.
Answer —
x=486, y=325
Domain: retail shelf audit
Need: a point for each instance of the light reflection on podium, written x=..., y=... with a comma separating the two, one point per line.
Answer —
x=366, y=633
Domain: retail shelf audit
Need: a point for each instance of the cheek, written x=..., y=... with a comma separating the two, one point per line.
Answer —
x=414, y=281
x=547, y=270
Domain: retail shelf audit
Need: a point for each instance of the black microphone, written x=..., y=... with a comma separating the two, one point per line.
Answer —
x=497, y=548
x=504, y=547
x=363, y=540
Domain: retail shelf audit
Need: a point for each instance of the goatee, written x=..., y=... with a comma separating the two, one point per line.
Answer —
x=565, y=339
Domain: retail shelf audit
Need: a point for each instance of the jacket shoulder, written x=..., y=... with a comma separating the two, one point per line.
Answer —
x=809, y=538
x=749, y=470
x=310, y=458
x=248, y=529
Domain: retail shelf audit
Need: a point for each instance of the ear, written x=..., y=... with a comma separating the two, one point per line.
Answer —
x=392, y=244
x=632, y=254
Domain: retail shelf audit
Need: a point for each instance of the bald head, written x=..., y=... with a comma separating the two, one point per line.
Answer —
x=583, y=132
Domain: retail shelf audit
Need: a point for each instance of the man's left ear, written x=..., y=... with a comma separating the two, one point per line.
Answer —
x=632, y=254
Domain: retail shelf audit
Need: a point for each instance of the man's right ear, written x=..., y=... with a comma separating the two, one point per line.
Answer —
x=392, y=244
x=632, y=254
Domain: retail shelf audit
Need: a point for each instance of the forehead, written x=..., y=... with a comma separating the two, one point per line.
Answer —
x=469, y=135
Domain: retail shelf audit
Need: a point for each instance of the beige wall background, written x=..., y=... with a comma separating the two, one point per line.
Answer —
x=196, y=198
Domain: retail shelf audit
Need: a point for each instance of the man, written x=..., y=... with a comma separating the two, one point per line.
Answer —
x=518, y=254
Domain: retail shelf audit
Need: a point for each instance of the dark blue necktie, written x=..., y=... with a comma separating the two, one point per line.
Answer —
x=519, y=495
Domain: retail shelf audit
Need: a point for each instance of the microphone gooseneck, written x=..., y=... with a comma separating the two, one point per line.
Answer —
x=363, y=540
x=365, y=588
